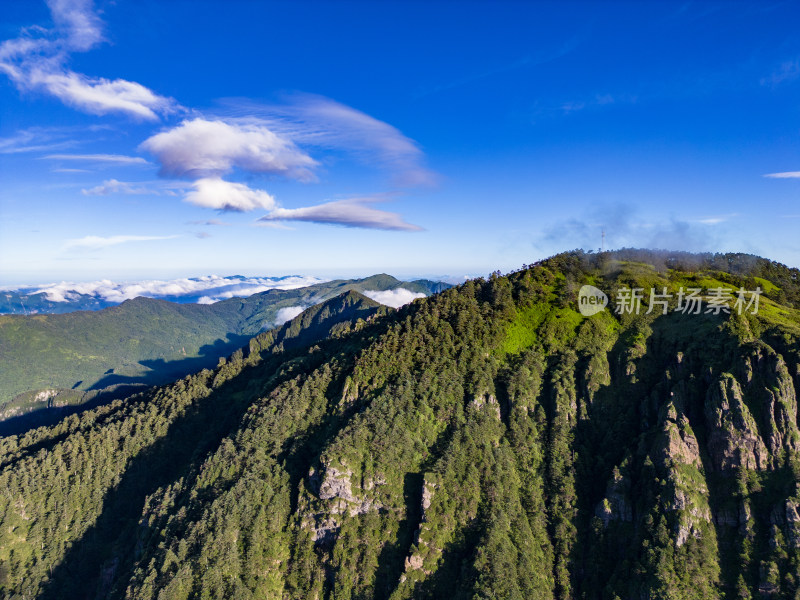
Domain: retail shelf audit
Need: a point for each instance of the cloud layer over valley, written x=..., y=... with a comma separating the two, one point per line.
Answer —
x=204, y=290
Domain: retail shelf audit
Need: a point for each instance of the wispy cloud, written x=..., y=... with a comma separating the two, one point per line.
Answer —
x=36, y=60
x=209, y=222
x=714, y=220
x=117, y=159
x=32, y=141
x=272, y=140
x=787, y=71
x=317, y=121
x=113, y=186
x=784, y=175
x=44, y=139
x=624, y=227
x=95, y=242
x=206, y=150
x=353, y=212
x=273, y=225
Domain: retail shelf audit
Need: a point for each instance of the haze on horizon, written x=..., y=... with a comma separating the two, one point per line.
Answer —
x=158, y=140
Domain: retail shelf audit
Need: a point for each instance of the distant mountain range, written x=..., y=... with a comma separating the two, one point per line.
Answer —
x=63, y=297
x=65, y=360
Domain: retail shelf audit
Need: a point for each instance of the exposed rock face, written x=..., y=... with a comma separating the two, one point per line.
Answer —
x=334, y=485
x=45, y=395
x=324, y=529
x=428, y=488
x=779, y=405
x=676, y=454
x=688, y=497
x=733, y=434
x=678, y=442
x=416, y=560
x=793, y=521
x=616, y=505
x=488, y=401
x=413, y=562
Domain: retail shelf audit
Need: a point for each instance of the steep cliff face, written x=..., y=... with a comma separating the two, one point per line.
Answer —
x=490, y=441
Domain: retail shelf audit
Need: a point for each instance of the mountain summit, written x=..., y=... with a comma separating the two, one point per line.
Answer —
x=488, y=441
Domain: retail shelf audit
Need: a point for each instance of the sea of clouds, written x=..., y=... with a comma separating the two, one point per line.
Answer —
x=203, y=290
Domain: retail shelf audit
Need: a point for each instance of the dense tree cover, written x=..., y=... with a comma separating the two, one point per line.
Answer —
x=140, y=343
x=487, y=442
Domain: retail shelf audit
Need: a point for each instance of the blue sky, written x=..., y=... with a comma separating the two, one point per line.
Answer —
x=172, y=139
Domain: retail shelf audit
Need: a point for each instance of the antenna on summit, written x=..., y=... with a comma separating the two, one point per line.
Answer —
x=603, y=240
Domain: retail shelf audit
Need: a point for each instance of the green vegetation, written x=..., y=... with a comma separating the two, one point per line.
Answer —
x=487, y=442
x=141, y=342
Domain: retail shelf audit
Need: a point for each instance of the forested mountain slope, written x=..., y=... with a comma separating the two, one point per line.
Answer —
x=487, y=442
x=142, y=342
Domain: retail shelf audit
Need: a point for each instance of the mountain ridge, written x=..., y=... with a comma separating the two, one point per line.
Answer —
x=23, y=300
x=142, y=341
x=488, y=441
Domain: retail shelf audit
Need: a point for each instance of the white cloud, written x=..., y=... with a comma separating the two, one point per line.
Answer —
x=201, y=148
x=113, y=186
x=36, y=61
x=287, y=314
x=212, y=287
x=394, y=298
x=714, y=220
x=322, y=122
x=205, y=150
x=213, y=192
x=95, y=242
x=784, y=175
x=209, y=222
x=118, y=159
x=354, y=212
x=77, y=23
x=100, y=96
